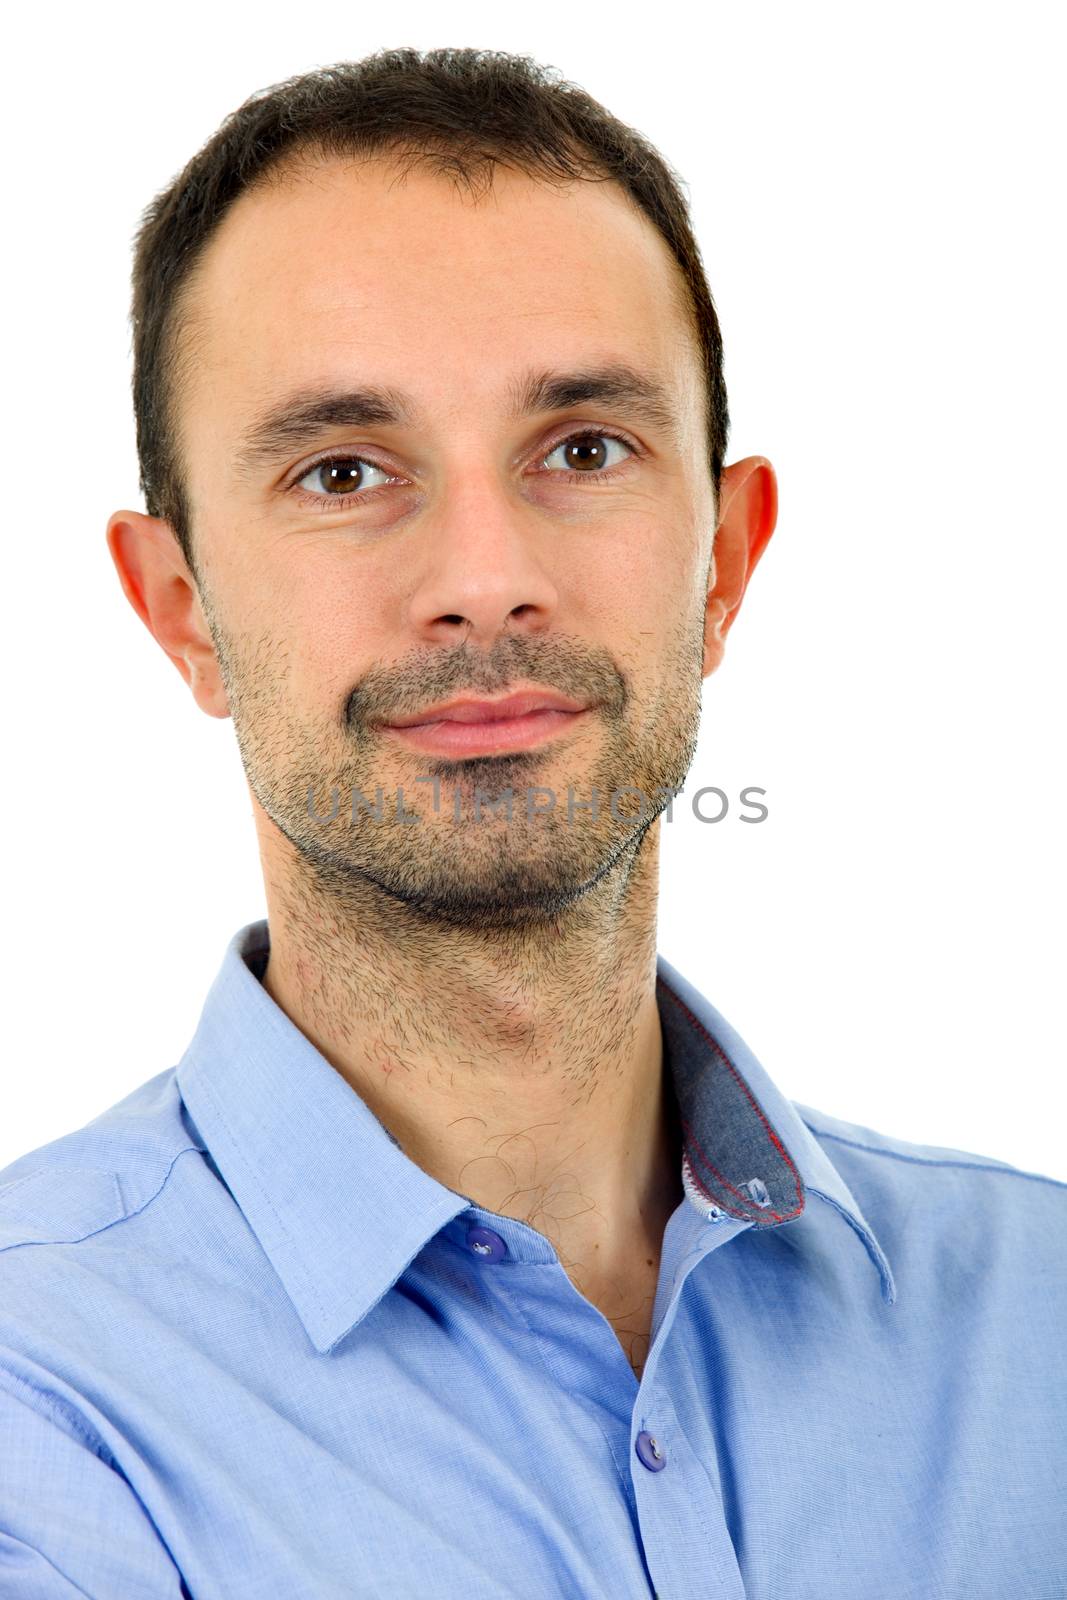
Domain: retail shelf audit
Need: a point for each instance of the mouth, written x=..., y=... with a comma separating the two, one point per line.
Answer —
x=495, y=736
x=487, y=727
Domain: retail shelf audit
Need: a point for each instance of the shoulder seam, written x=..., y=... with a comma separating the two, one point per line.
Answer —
x=933, y=1161
x=55, y=1408
x=19, y=1244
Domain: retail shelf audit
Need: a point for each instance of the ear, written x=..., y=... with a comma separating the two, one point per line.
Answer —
x=157, y=582
x=749, y=511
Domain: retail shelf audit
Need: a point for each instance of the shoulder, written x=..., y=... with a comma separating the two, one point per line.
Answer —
x=837, y=1133
x=890, y=1175
x=113, y=1168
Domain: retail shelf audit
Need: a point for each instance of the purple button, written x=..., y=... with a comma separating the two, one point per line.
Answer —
x=486, y=1244
x=650, y=1452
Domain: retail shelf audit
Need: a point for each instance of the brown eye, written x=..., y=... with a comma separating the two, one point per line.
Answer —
x=588, y=452
x=339, y=477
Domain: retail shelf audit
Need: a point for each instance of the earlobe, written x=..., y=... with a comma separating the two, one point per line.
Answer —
x=715, y=628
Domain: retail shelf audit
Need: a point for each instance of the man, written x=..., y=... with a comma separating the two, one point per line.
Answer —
x=468, y=1251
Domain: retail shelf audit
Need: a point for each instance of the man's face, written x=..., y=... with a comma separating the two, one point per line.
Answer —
x=362, y=569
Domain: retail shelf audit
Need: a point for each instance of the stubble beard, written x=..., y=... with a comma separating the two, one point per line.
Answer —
x=469, y=859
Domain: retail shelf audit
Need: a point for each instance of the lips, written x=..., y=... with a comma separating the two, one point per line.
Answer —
x=463, y=728
x=483, y=711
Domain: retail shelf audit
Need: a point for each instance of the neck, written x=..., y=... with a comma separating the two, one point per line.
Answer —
x=521, y=1067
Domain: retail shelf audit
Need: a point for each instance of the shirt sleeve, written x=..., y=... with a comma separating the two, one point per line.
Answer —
x=71, y=1528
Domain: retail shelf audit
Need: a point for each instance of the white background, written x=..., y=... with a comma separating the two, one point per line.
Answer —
x=877, y=192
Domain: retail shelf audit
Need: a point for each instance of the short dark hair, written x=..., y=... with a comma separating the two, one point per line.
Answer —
x=462, y=112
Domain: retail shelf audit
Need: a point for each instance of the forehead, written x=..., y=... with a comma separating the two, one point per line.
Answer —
x=350, y=266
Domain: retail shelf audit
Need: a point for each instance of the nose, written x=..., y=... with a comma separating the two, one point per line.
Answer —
x=484, y=568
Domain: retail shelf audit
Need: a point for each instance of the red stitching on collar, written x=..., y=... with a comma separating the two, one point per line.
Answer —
x=779, y=1216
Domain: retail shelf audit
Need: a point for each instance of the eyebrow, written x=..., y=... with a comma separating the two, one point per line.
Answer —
x=289, y=425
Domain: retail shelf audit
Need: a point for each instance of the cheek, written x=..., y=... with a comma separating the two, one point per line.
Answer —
x=328, y=622
x=331, y=648
x=647, y=581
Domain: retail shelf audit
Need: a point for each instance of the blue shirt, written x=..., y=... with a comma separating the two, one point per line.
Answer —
x=249, y=1349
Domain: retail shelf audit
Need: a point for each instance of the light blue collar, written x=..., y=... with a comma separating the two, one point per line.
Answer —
x=341, y=1211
